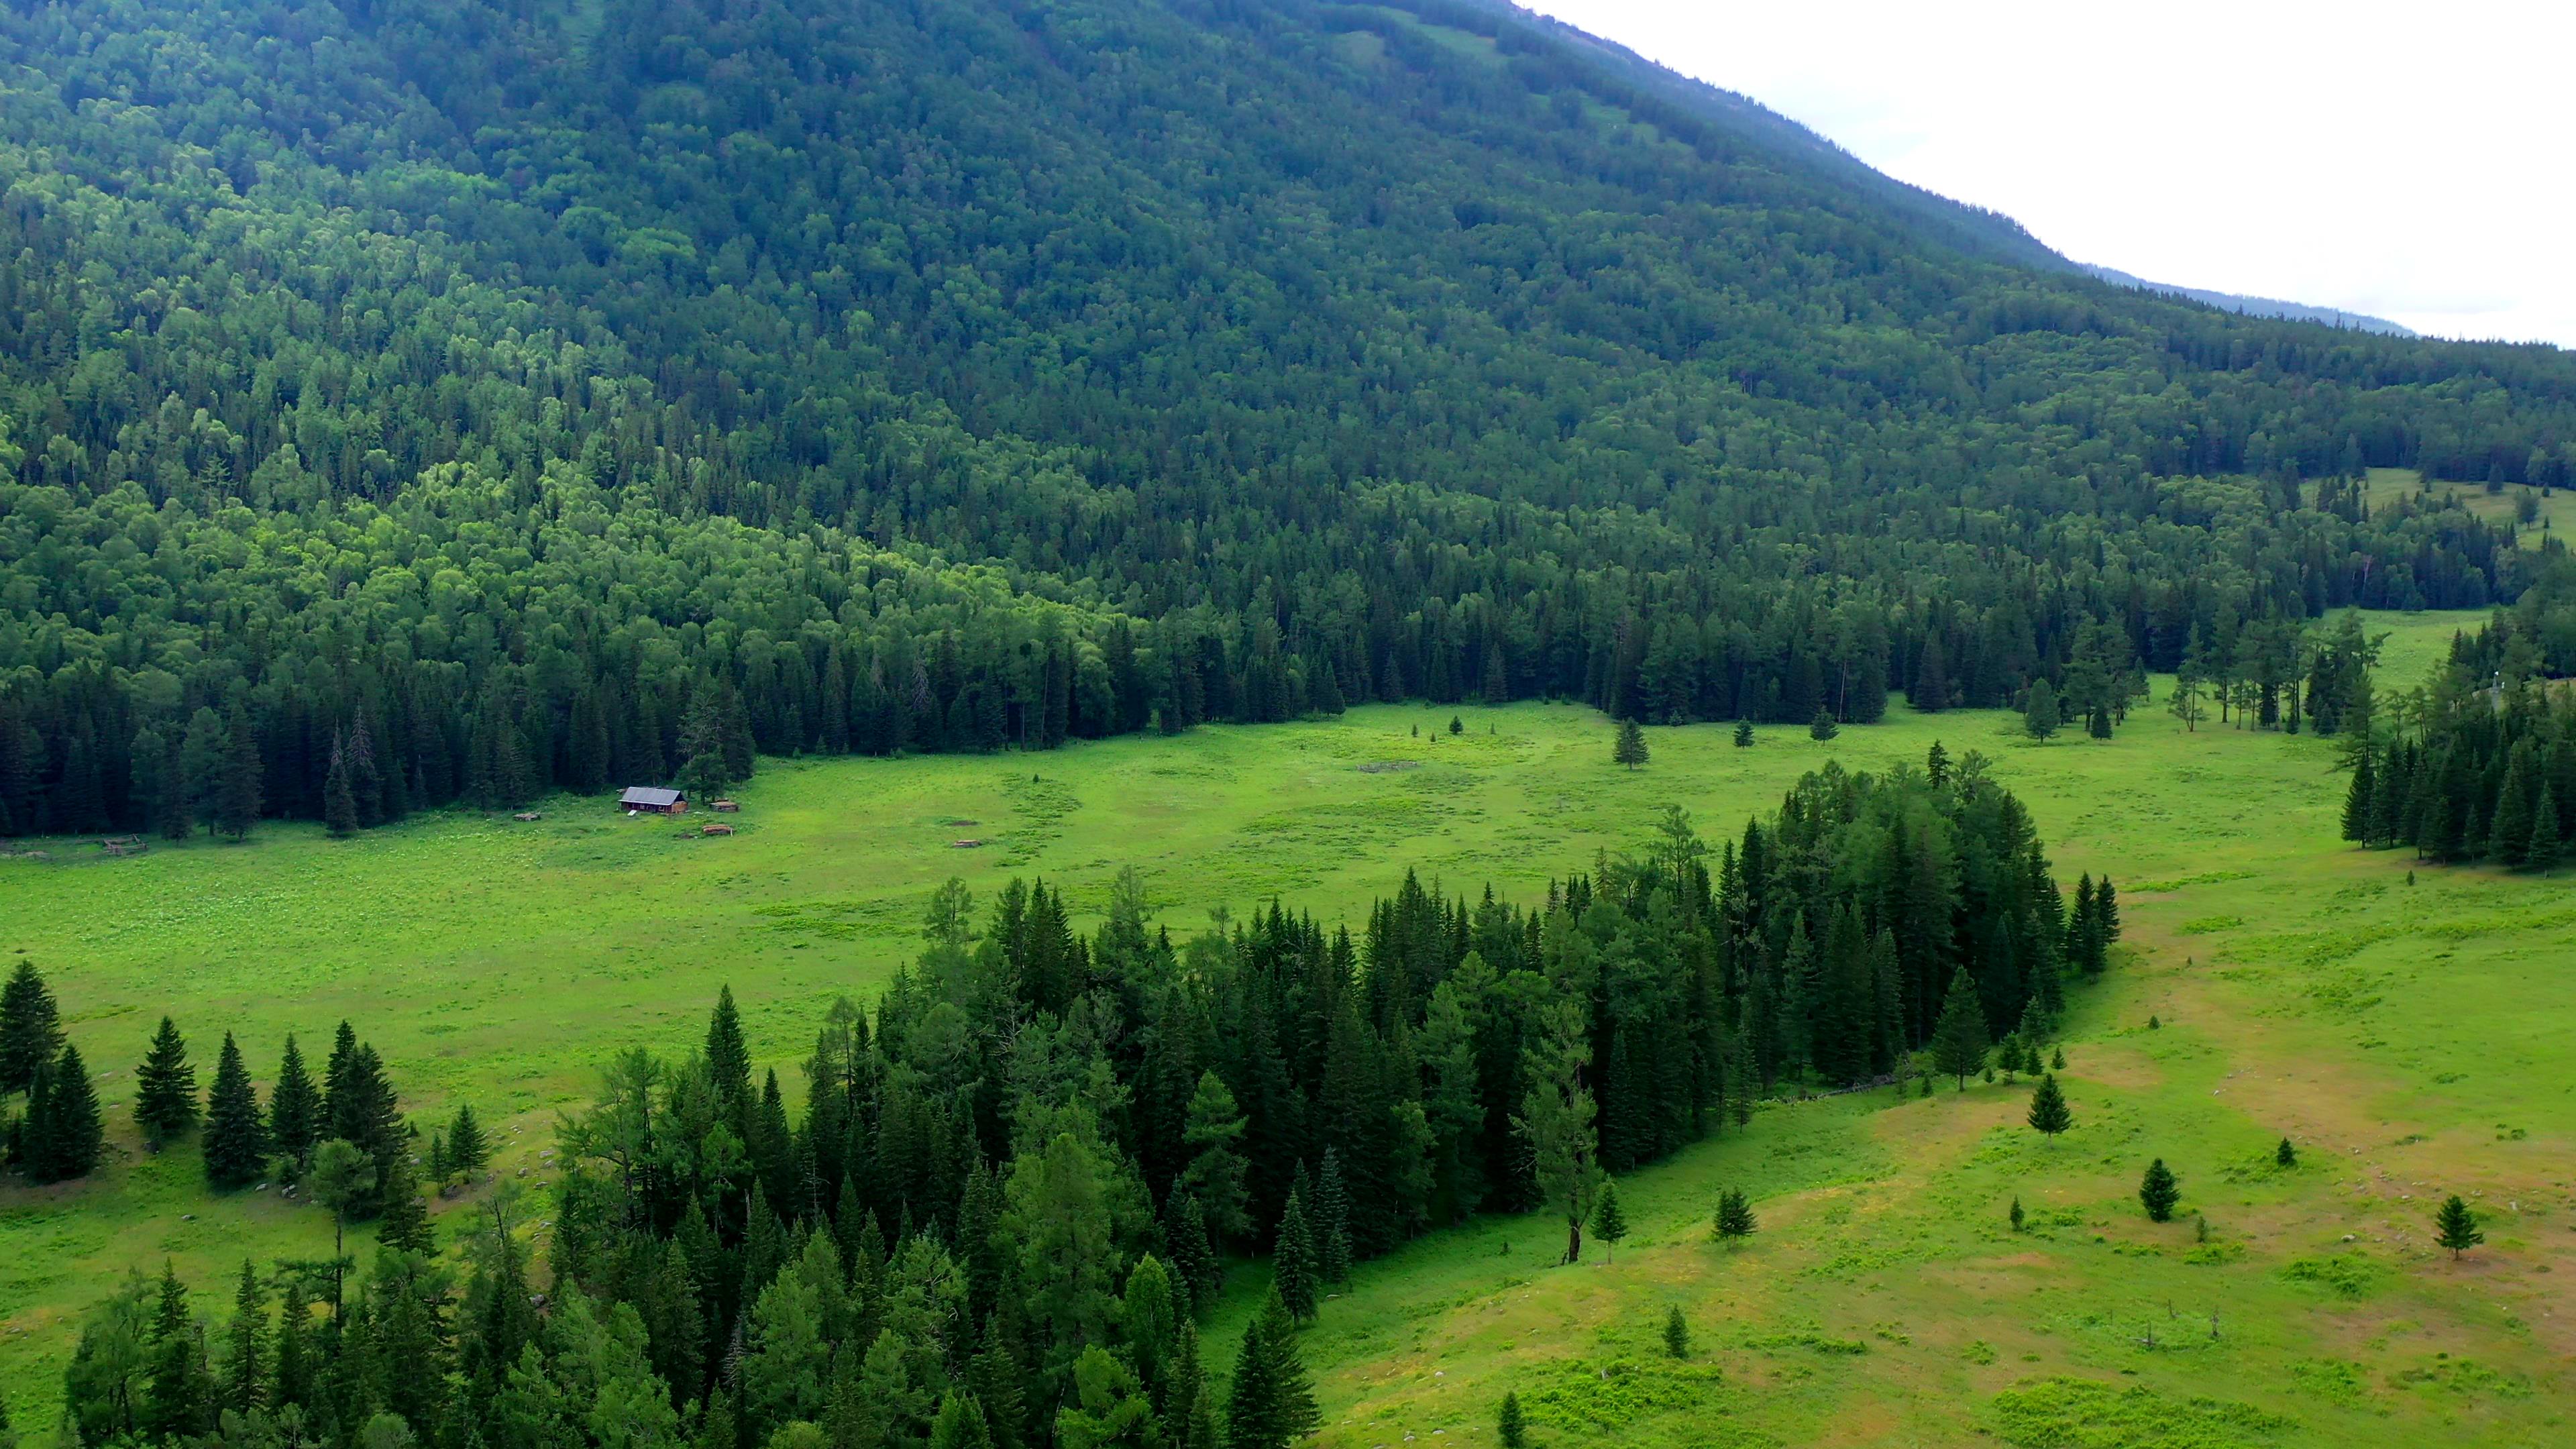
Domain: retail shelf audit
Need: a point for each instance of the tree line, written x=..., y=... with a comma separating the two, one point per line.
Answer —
x=493, y=402
x=1012, y=1190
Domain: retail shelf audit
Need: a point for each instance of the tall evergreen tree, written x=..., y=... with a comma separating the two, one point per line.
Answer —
x=1292, y=1260
x=1630, y=749
x=62, y=1137
x=165, y=1087
x=294, y=1108
x=2048, y=1110
x=1959, y=1037
x=403, y=1220
x=1273, y=1402
x=246, y=1359
x=31, y=1032
x=1332, y=1220
x=2546, y=848
x=2039, y=712
x=1734, y=1220
x=2357, y=799
x=236, y=1140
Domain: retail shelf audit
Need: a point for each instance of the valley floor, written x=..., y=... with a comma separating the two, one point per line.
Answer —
x=2412, y=1037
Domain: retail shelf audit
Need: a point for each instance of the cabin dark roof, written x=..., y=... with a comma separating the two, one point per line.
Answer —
x=649, y=797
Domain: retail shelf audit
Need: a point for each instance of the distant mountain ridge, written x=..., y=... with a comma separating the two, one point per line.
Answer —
x=2259, y=306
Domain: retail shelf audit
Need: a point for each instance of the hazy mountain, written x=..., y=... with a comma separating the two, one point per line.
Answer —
x=2260, y=306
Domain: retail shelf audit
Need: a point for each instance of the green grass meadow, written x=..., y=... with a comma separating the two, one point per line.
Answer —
x=2412, y=1039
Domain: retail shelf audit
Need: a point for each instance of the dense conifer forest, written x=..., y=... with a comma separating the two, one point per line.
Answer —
x=1013, y=1189
x=405, y=403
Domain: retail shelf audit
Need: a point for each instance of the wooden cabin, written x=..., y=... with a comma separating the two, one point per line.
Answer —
x=646, y=800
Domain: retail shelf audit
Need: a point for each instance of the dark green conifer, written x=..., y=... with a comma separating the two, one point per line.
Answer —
x=1273, y=1403
x=404, y=1219
x=2285, y=1155
x=294, y=1109
x=1510, y=1425
x=1332, y=1225
x=1609, y=1224
x=2546, y=848
x=1630, y=750
x=2456, y=1228
x=236, y=1140
x=2048, y=1110
x=1293, y=1260
x=468, y=1150
x=1822, y=727
x=2357, y=799
x=1734, y=1216
x=62, y=1137
x=2040, y=715
x=1744, y=734
x=728, y=1059
x=1676, y=1333
x=245, y=1377
x=2016, y=1215
x=291, y=1381
x=31, y=1031
x=165, y=1087
x=2159, y=1190
x=1959, y=1036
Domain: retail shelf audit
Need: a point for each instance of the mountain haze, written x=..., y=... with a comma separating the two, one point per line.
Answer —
x=544, y=394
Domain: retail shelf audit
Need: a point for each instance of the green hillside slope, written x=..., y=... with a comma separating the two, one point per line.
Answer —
x=504, y=395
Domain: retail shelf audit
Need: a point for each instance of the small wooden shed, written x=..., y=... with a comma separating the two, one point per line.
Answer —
x=647, y=800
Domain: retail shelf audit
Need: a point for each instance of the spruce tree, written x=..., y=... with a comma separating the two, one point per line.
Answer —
x=1959, y=1036
x=1676, y=1333
x=31, y=1031
x=467, y=1148
x=2039, y=713
x=339, y=800
x=294, y=1109
x=2456, y=1228
x=2285, y=1155
x=72, y=1136
x=1744, y=734
x=165, y=1088
x=729, y=1060
x=1193, y=1256
x=245, y=1378
x=1822, y=727
x=1510, y=1425
x=1332, y=1225
x=2015, y=1216
x=236, y=1141
x=1631, y=747
x=2546, y=848
x=2357, y=799
x=2048, y=1111
x=179, y=1392
x=403, y=1220
x=291, y=1380
x=1293, y=1260
x=237, y=780
x=2159, y=1190
x=1609, y=1224
x=1273, y=1402
x=1734, y=1216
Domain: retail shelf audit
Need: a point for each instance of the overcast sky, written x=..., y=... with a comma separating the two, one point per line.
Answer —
x=2414, y=162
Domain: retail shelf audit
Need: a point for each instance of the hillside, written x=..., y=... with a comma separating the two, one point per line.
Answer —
x=541, y=394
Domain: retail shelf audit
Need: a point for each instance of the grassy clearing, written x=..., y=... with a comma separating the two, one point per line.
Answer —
x=2411, y=1039
x=2557, y=509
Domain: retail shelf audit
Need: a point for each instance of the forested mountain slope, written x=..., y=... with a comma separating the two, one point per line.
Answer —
x=501, y=394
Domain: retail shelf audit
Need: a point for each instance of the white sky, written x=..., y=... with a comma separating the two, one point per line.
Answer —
x=2416, y=162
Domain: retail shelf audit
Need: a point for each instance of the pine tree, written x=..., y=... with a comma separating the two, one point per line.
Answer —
x=1273, y=1402
x=31, y=1031
x=2285, y=1155
x=294, y=1109
x=236, y=1140
x=729, y=1060
x=1676, y=1333
x=2456, y=1228
x=1734, y=1216
x=1609, y=1224
x=404, y=1219
x=467, y=1148
x=2016, y=1216
x=1959, y=1036
x=1193, y=1256
x=2159, y=1190
x=1744, y=734
x=1293, y=1260
x=245, y=1384
x=2048, y=1111
x=1332, y=1225
x=179, y=1394
x=2509, y=835
x=71, y=1135
x=2546, y=848
x=2039, y=713
x=165, y=1088
x=339, y=800
x=291, y=1381
x=1512, y=1428
x=2357, y=800
x=1822, y=727
x=1631, y=748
